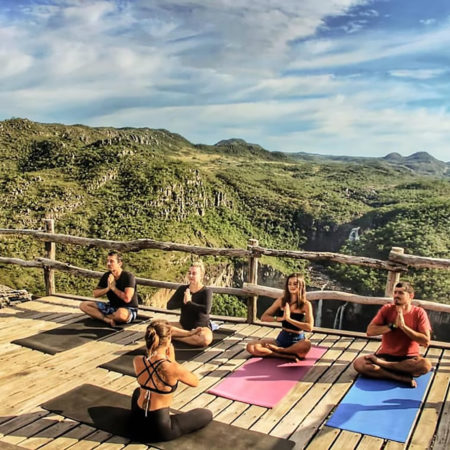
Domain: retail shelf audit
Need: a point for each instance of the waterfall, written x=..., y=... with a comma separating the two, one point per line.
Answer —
x=337, y=325
x=318, y=318
x=354, y=234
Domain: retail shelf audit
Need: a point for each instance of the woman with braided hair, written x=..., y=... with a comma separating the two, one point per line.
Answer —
x=296, y=316
x=158, y=375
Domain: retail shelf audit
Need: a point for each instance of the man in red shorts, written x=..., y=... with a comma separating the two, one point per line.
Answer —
x=403, y=328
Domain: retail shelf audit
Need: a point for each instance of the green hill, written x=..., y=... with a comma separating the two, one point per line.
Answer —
x=132, y=183
x=419, y=163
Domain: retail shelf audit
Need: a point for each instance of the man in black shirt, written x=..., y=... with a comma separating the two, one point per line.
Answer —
x=120, y=288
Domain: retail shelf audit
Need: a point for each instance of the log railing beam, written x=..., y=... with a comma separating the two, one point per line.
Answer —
x=130, y=246
x=419, y=262
x=248, y=289
x=251, y=251
x=342, y=296
x=397, y=262
x=333, y=257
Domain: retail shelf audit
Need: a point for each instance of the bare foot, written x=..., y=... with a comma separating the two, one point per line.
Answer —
x=279, y=351
x=372, y=358
x=290, y=356
x=412, y=383
x=110, y=322
x=272, y=347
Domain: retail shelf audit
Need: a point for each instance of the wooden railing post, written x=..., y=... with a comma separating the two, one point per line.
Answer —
x=252, y=278
x=393, y=277
x=50, y=253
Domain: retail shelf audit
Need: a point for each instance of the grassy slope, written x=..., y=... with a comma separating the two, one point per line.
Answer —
x=128, y=183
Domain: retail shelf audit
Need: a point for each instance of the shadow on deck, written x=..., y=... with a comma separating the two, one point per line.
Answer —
x=28, y=378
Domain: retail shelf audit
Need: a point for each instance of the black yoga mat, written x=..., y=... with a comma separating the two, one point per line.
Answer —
x=71, y=335
x=183, y=352
x=110, y=411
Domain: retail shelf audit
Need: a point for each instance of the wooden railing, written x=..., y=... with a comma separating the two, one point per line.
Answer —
x=397, y=263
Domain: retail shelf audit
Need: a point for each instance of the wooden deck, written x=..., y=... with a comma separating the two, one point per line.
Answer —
x=28, y=378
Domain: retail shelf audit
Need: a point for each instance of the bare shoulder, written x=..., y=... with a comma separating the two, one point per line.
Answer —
x=275, y=305
x=175, y=368
x=138, y=363
x=277, y=301
x=173, y=371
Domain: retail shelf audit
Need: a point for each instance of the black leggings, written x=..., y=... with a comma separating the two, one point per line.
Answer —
x=159, y=425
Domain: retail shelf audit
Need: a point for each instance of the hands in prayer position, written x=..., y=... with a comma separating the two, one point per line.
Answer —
x=187, y=296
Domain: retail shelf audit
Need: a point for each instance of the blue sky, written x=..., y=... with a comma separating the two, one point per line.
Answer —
x=339, y=77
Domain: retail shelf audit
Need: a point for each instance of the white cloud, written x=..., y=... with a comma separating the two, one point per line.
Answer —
x=369, y=13
x=354, y=26
x=427, y=22
x=371, y=46
x=333, y=125
x=91, y=13
x=13, y=63
x=419, y=74
x=228, y=68
x=291, y=87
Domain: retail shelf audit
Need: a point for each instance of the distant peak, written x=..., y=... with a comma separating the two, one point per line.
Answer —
x=421, y=156
x=394, y=156
x=233, y=142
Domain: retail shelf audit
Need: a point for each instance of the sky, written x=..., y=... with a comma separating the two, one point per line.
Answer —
x=336, y=77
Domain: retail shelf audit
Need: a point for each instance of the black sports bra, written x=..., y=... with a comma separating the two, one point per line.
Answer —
x=154, y=366
x=299, y=317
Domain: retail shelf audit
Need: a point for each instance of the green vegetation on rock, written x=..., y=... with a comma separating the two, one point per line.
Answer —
x=130, y=183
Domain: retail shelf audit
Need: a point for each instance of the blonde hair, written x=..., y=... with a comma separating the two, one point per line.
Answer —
x=200, y=266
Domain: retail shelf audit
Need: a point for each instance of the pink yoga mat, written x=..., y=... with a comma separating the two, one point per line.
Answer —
x=265, y=381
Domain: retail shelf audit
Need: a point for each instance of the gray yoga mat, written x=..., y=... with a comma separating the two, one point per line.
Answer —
x=183, y=352
x=110, y=411
x=71, y=335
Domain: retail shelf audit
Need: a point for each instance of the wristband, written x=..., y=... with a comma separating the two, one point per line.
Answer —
x=275, y=318
x=392, y=326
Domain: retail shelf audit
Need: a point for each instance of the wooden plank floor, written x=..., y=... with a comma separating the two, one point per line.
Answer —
x=28, y=378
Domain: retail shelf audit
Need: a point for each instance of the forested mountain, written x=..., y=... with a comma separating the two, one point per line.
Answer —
x=133, y=183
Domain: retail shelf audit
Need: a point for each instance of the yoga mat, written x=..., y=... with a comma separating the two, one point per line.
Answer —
x=265, y=381
x=71, y=335
x=110, y=411
x=381, y=408
x=183, y=352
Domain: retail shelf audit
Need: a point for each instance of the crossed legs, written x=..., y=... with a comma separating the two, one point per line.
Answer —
x=198, y=337
x=120, y=315
x=269, y=348
x=404, y=371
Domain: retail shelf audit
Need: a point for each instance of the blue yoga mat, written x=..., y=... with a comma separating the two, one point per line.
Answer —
x=381, y=408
